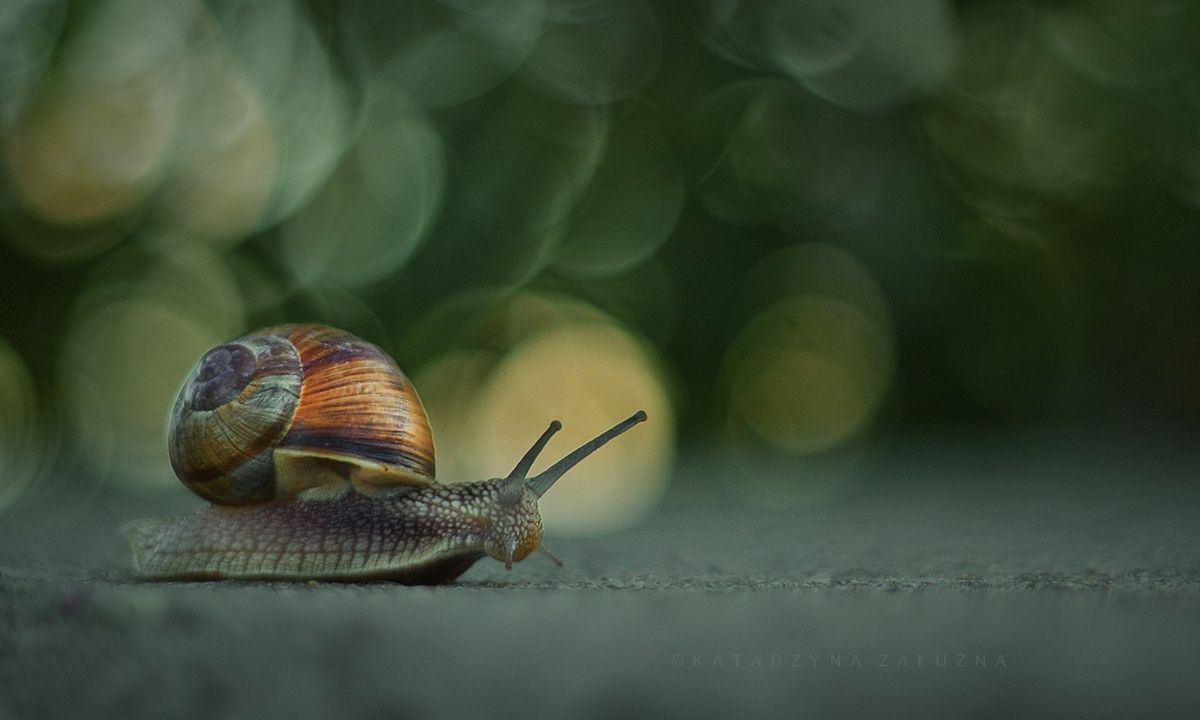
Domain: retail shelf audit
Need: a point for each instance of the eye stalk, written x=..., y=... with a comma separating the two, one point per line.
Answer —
x=514, y=484
x=515, y=526
x=516, y=481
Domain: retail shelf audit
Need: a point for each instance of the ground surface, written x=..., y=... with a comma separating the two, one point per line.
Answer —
x=1061, y=580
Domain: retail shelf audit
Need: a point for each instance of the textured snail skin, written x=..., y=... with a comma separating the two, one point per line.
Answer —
x=426, y=536
x=318, y=456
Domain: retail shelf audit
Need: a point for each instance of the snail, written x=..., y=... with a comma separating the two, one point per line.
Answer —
x=317, y=457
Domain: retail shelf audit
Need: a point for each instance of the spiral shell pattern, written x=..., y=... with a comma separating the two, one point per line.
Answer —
x=291, y=407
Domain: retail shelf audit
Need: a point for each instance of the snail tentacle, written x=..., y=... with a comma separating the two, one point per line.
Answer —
x=541, y=483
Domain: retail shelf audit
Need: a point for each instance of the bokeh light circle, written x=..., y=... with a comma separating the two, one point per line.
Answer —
x=29, y=30
x=21, y=443
x=227, y=156
x=815, y=37
x=522, y=179
x=764, y=152
x=811, y=372
x=806, y=376
x=95, y=141
x=136, y=332
x=602, y=52
x=590, y=377
x=303, y=94
x=884, y=53
x=632, y=204
x=441, y=56
x=564, y=361
x=376, y=209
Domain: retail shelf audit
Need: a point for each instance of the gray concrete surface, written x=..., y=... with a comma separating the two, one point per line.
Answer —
x=960, y=580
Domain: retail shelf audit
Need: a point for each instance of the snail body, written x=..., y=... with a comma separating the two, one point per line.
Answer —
x=318, y=457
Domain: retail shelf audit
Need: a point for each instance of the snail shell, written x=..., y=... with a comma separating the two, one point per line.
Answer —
x=276, y=427
x=298, y=409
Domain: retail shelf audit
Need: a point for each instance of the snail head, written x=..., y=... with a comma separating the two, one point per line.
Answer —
x=517, y=527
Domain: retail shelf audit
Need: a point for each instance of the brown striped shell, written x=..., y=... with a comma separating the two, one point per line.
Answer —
x=297, y=408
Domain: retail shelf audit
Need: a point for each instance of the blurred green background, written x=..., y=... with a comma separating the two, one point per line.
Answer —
x=785, y=228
